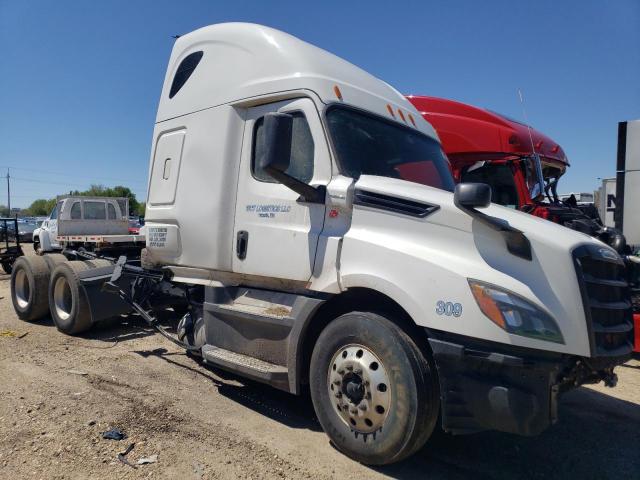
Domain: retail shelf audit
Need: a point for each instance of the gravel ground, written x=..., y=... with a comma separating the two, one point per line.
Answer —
x=58, y=393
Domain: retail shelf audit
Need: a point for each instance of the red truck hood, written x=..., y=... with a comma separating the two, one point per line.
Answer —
x=469, y=133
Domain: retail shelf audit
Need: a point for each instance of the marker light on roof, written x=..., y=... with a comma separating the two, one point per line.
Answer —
x=390, y=110
x=337, y=91
x=401, y=115
x=412, y=120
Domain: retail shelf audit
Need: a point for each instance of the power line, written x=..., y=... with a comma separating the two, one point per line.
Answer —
x=51, y=182
x=92, y=179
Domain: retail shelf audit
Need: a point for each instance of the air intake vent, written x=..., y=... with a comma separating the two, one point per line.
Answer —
x=393, y=204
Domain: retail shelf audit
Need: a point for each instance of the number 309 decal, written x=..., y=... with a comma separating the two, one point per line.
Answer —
x=448, y=308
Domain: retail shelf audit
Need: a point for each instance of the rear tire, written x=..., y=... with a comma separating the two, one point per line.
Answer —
x=374, y=392
x=53, y=260
x=69, y=306
x=29, y=286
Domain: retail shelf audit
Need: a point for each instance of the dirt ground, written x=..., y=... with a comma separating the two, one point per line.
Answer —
x=58, y=393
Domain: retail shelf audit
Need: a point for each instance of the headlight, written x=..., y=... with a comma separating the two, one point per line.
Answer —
x=514, y=314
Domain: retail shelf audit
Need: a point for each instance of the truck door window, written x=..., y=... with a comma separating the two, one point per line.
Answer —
x=111, y=211
x=55, y=211
x=369, y=145
x=302, y=150
x=94, y=211
x=76, y=211
x=500, y=178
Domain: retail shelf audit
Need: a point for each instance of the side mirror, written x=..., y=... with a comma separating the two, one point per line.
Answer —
x=536, y=182
x=276, y=157
x=472, y=195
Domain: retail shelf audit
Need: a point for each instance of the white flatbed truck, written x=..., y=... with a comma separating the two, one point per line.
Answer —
x=277, y=214
x=95, y=224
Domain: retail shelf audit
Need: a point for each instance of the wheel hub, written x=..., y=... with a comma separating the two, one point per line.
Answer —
x=358, y=384
x=353, y=388
x=62, y=298
x=22, y=290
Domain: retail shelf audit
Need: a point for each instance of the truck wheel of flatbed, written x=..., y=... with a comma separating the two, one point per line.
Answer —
x=67, y=299
x=29, y=283
x=375, y=394
x=54, y=259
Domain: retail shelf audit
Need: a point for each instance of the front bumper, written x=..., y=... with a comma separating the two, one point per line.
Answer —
x=491, y=386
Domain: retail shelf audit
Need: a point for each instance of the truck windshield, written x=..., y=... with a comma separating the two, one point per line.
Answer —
x=369, y=145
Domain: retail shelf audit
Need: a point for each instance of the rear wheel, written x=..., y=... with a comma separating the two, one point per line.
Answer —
x=69, y=306
x=374, y=392
x=54, y=259
x=29, y=279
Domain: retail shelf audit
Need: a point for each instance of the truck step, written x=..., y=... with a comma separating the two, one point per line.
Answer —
x=254, y=368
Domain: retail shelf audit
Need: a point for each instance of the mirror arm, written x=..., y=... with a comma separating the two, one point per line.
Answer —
x=307, y=193
x=517, y=242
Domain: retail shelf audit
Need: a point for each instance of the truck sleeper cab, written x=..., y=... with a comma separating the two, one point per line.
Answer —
x=319, y=266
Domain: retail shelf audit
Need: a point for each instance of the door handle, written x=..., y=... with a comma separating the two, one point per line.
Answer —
x=242, y=242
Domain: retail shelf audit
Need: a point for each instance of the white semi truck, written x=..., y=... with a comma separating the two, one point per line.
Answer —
x=278, y=216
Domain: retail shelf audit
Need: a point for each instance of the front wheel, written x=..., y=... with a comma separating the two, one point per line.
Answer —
x=374, y=392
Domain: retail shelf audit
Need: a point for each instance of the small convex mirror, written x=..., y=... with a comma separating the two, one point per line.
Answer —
x=472, y=195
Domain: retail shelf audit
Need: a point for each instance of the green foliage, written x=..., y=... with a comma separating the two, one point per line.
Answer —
x=44, y=207
x=41, y=207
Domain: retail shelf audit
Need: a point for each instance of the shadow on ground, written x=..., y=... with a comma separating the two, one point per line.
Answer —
x=596, y=437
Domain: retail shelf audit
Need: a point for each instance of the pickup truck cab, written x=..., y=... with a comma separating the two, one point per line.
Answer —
x=81, y=219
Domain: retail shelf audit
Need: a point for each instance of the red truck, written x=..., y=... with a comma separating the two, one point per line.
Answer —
x=522, y=166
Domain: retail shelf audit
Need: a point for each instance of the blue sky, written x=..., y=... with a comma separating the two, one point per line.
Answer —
x=80, y=80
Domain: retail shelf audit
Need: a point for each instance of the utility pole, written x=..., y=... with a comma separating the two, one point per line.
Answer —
x=8, y=192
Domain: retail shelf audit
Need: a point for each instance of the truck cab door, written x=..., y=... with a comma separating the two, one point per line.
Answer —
x=51, y=226
x=275, y=235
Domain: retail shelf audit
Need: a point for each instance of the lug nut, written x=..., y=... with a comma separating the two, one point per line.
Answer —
x=368, y=396
x=362, y=407
x=338, y=394
x=341, y=371
x=353, y=412
x=337, y=382
x=357, y=371
x=349, y=367
x=366, y=383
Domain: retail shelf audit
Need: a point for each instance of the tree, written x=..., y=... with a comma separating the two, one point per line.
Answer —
x=117, y=191
x=41, y=207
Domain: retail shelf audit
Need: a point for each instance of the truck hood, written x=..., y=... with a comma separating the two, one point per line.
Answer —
x=448, y=215
x=448, y=246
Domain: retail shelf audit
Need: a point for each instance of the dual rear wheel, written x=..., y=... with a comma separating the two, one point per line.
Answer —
x=49, y=284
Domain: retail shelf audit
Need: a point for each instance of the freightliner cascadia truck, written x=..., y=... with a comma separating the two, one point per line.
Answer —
x=280, y=219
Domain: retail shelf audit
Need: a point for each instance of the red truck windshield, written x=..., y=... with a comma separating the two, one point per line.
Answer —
x=369, y=145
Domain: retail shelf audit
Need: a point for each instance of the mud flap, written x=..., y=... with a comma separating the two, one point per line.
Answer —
x=102, y=304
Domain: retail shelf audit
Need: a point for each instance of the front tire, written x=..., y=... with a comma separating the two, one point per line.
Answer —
x=374, y=392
